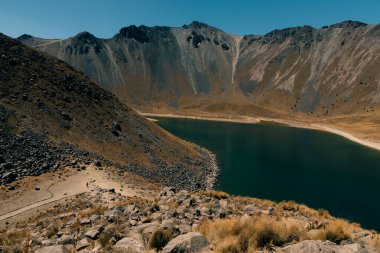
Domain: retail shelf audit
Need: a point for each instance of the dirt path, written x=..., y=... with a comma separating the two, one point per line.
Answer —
x=55, y=187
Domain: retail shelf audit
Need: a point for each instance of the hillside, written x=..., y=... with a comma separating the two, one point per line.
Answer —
x=53, y=116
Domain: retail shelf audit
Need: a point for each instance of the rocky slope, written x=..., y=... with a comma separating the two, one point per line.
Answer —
x=301, y=71
x=184, y=222
x=51, y=115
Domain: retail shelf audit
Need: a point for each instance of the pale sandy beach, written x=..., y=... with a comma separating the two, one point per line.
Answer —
x=251, y=120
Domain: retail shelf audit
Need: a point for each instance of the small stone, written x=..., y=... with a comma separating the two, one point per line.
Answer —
x=98, y=163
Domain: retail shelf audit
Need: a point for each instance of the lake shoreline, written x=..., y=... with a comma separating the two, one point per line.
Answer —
x=252, y=120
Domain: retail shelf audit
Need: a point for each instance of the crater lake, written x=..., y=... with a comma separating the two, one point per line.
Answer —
x=277, y=162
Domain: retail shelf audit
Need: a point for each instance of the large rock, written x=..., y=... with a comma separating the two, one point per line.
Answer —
x=188, y=243
x=9, y=177
x=94, y=232
x=128, y=245
x=324, y=247
x=68, y=248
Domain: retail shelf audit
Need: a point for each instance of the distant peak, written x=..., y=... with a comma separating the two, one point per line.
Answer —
x=134, y=32
x=348, y=24
x=85, y=36
x=24, y=37
x=197, y=25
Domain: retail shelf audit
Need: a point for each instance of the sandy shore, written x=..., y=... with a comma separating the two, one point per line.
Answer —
x=251, y=120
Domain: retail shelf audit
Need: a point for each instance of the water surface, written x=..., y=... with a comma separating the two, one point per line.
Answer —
x=277, y=162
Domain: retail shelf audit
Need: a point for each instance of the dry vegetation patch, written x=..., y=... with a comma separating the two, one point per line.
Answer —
x=247, y=234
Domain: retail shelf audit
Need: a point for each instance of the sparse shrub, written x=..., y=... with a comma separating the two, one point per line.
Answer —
x=336, y=231
x=160, y=238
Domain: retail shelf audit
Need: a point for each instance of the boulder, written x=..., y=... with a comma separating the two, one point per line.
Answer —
x=323, y=247
x=128, y=245
x=68, y=248
x=187, y=243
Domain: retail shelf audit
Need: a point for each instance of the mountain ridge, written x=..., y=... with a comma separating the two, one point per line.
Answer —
x=300, y=73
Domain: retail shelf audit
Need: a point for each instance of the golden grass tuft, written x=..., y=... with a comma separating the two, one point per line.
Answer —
x=90, y=211
x=132, y=201
x=247, y=235
x=336, y=231
x=375, y=242
x=160, y=238
x=216, y=194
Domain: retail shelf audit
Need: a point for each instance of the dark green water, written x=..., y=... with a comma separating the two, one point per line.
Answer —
x=277, y=162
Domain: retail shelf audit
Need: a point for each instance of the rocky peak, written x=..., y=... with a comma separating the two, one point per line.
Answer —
x=300, y=37
x=196, y=25
x=83, y=42
x=85, y=36
x=133, y=32
x=282, y=34
x=24, y=37
x=348, y=24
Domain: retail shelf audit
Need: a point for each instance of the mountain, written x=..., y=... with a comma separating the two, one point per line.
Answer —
x=51, y=113
x=315, y=73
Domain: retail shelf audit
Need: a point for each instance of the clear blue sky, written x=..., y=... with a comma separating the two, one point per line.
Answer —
x=103, y=18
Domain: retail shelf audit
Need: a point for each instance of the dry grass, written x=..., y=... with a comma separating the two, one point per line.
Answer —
x=132, y=201
x=375, y=242
x=51, y=230
x=107, y=234
x=284, y=208
x=240, y=202
x=216, y=194
x=336, y=231
x=12, y=241
x=248, y=235
x=160, y=238
x=90, y=211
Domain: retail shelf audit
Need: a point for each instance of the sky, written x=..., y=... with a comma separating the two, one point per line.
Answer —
x=104, y=18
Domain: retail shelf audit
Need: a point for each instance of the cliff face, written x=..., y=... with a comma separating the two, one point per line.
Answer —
x=314, y=72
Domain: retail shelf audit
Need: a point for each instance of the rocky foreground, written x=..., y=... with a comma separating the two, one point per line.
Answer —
x=184, y=222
